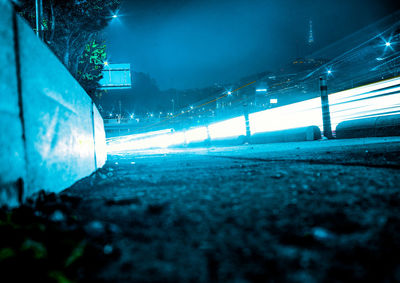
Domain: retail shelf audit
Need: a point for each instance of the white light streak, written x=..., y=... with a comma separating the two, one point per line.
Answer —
x=196, y=135
x=378, y=99
x=227, y=129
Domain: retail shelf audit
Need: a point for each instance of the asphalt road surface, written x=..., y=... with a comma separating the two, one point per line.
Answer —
x=323, y=211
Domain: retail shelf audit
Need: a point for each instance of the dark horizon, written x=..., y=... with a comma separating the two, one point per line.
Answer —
x=193, y=44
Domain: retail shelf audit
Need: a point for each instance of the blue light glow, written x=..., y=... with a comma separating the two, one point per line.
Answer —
x=196, y=135
x=378, y=99
x=387, y=43
x=227, y=129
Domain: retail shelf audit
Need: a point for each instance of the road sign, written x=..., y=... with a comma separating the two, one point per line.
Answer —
x=116, y=76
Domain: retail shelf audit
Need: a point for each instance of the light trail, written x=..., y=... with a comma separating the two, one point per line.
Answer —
x=376, y=99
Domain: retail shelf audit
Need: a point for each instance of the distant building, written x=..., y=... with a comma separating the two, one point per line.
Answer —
x=311, y=36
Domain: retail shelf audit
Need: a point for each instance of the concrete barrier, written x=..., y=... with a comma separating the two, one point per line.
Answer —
x=381, y=126
x=12, y=153
x=229, y=141
x=51, y=133
x=292, y=135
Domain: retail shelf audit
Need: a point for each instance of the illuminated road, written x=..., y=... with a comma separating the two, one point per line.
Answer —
x=300, y=210
x=166, y=169
x=373, y=100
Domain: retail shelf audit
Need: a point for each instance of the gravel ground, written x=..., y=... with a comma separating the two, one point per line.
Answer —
x=301, y=212
x=326, y=213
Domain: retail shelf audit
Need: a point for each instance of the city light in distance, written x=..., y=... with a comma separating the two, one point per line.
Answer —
x=378, y=99
x=387, y=43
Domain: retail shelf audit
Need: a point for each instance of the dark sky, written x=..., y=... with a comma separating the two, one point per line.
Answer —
x=187, y=44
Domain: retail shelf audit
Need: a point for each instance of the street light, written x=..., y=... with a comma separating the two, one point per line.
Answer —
x=387, y=43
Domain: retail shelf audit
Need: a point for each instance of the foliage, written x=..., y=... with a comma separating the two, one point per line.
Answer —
x=38, y=247
x=70, y=26
x=90, y=66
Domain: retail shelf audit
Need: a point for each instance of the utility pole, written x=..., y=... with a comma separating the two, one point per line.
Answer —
x=39, y=19
x=246, y=118
x=326, y=115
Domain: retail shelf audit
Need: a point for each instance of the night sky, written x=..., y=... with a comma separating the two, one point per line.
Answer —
x=187, y=44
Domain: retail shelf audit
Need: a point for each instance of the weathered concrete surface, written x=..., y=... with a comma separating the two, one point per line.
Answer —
x=58, y=118
x=310, y=133
x=51, y=133
x=381, y=126
x=325, y=211
x=12, y=154
x=99, y=137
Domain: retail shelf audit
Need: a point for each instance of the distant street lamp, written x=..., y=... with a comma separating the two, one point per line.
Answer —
x=115, y=16
x=388, y=43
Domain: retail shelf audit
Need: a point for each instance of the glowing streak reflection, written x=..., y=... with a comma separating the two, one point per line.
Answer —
x=227, y=129
x=196, y=135
x=378, y=99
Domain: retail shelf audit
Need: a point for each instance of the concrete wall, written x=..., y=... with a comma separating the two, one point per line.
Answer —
x=381, y=126
x=51, y=133
x=310, y=133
